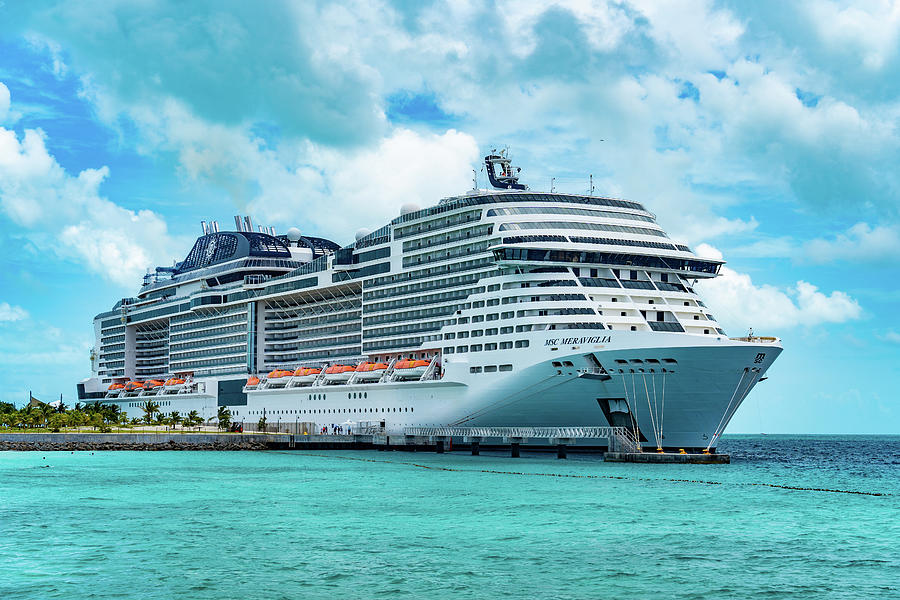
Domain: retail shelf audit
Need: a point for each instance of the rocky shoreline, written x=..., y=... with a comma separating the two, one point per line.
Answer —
x=71, y=442
x=45, y=446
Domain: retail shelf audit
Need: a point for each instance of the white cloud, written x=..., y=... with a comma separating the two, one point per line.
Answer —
x=868, y=29
x=862, y=242
x=67, y=215
x=891, y=336
x=12, y=313
x=739, y=304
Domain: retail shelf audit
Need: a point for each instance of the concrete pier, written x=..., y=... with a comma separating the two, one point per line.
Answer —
x=667, y=458
x=511, y=441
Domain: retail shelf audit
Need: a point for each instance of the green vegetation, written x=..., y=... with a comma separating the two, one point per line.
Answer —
x=41, y=416
x=99, y=416
x=224, y=417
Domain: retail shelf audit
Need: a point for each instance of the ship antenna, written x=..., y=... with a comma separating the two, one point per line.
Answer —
x=592, y=184
x=474, y=179
x=552, y=184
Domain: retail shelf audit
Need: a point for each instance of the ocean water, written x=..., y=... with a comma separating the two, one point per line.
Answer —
x=337, y=524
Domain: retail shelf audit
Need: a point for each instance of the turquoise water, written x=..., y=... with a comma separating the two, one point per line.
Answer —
x=368, y=524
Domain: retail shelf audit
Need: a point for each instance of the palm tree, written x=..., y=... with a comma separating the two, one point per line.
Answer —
x=150, y=408
x=193, y=417
x=224, y=416
x=175, y=418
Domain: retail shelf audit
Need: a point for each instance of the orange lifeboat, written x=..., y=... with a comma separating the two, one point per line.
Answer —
x=339, y=373
x=367, y=371
x=278, y=378
x=153, y=383
x=114, y=389
x=252, y=382
x=410, y=369
x=173, y=385
x=306, y=375
x=133, y=386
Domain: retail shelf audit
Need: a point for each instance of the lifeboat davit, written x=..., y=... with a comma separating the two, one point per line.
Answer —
x=278, y=378
x=252, y=383
x=410, y=369
x=339, y=373
x=368, y=371
x=306, y=375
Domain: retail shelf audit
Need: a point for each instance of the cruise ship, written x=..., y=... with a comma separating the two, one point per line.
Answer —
x=498, y=307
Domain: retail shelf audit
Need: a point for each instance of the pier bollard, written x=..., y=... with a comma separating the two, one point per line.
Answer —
x=514, y=449
x=475, y=448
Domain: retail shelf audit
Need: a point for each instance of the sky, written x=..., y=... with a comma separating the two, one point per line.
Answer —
x=763, y=132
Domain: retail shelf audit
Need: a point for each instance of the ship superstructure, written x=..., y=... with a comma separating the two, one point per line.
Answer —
x=497, y=307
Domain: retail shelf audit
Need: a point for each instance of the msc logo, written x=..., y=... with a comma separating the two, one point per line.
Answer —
x=760, y=357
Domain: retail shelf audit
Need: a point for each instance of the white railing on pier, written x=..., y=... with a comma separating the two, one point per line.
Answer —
x=619, y=438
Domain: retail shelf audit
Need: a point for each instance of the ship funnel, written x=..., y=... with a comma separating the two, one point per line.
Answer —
x=238, y=226
x=204, y=227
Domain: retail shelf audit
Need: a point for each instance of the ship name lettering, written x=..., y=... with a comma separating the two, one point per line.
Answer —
x=595, y=339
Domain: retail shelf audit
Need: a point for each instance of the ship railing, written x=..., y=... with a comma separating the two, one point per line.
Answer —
x=755, y=339
x=619, y=439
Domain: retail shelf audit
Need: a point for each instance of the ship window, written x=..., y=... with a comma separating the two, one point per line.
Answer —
x=615, y=299
x=463, y=320
x=568, y=363
x=490, y=369
x=522, y=344
x=633, y=328
x=478, y=318
x=491, y=346
x=491, y=331
x=506, y=345
x=474, y=369
x=477, y=332
x=506, y=330
x=475, y=348
x=706, y=331
x=506, y=367
x=696, y=317
x=462, y=348
x=556, y=363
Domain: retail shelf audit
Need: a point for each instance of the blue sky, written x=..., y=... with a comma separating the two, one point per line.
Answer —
x=763, y=132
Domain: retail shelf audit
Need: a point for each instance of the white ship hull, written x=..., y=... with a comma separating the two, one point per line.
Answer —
x=682, y=407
